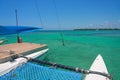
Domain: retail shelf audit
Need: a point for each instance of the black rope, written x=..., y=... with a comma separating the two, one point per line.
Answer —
x=38, y=11
x=59, y=24
x=71, y=68
x=16, y=17
x=99, y=73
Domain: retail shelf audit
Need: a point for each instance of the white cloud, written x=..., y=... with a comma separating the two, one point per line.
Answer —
x=108, y=24
x=105, y=24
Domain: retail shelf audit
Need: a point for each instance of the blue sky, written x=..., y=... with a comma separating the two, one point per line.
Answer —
x=72, y=13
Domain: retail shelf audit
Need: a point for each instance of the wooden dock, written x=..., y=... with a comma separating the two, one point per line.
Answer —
x=8, y=50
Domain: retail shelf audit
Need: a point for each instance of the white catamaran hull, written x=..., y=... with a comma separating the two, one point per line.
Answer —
x=8, y=66
x=99, y=66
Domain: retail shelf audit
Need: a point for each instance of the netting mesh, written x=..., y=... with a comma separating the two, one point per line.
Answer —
x=30, y=71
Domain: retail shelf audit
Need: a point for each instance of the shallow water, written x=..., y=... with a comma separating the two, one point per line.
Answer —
x=81, y=47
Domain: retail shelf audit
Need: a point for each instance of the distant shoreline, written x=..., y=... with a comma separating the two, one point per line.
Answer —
x=97, y=29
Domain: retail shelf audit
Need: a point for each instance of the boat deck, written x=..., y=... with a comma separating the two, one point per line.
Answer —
x=6, y=51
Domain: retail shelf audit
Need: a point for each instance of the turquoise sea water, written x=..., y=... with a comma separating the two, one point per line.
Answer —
x=81, y=47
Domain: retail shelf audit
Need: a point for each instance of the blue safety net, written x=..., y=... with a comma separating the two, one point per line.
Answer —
x=7, y=30
x=30, y=71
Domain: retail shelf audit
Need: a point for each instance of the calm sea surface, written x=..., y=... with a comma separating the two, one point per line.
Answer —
x=81, y=47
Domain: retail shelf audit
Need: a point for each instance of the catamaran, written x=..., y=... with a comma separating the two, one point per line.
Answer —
x=25, y=69
x=14, y=55
x=16, y=62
